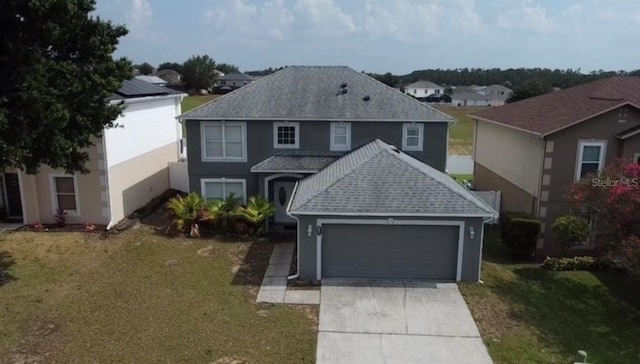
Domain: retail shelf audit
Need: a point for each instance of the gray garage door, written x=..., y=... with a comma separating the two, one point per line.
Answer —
x=390, y=251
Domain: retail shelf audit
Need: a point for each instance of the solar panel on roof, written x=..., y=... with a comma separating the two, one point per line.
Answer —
x=138, y=88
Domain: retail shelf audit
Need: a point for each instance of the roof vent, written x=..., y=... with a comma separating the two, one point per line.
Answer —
x=343, y=85
x=395, y=150
x=344, y=91
x=366, y=98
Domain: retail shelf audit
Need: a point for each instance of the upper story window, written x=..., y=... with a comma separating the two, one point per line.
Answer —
x=286, y=135
x=591, y=156
x=412, y=136
x=340, y=136
x=64, y=193
x=224, y=141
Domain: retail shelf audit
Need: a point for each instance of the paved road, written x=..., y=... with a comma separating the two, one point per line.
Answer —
x=390, y=321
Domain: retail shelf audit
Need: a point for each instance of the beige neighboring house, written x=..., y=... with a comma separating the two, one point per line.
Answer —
x=128, y=165
x=533, y=149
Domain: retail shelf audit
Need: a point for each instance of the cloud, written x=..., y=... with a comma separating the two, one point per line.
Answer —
x=139, y=18
x=525, y=17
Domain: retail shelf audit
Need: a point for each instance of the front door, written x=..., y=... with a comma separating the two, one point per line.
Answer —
x=281, y=194
x=12, y=187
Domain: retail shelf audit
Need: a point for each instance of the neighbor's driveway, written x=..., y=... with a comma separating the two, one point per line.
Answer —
x=392, y=321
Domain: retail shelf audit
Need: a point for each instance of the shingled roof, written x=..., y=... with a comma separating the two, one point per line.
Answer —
x=380, y=179
x=548, y=113
x=317, y=93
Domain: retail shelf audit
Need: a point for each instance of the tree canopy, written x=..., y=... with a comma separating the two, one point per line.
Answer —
x=144, y=68
x=170, y=66
x=227, y=68
x=57, y=70
x=529, y=89
x=198, y=72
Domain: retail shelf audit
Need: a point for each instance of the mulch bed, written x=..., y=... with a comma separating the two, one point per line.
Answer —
x=67, y=228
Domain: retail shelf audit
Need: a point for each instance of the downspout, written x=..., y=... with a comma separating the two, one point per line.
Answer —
x=297, y=274
x=106, y=179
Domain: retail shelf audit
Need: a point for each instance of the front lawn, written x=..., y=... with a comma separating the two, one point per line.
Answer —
x=140, y=297
x=528, y=315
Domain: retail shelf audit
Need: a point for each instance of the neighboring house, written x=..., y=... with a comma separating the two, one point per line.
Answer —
x=173, y=78
x=128, y=165
x=422, y=89
x=469, y=99
x=153, y=79
x=493, y=95
x=234, y=80
x=266, y=137
x=531, y=150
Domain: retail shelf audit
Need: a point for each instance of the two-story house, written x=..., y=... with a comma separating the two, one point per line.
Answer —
x=269, y=136
x=533, y=149
x=128, y=165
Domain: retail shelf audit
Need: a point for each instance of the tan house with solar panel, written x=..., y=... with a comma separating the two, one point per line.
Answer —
x=128, y=166
x=533, y=149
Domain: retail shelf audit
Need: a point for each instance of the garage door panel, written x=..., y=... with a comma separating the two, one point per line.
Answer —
x=389, y=251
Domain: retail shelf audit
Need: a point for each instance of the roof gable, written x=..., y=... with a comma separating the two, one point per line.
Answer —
x=379, y=179
x=548, y=113
x=317, y=93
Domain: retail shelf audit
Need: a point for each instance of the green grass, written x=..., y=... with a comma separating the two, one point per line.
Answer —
x=529, y=315
x=77, y=298
x=461, y=135
x=191, y=102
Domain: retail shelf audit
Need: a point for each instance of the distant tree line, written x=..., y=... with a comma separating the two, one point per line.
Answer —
x=511, y=77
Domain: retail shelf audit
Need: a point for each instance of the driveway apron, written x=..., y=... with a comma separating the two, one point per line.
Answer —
x=396, y=321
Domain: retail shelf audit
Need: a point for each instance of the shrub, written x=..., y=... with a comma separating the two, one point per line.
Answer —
x=574, y=263
x=256, y=212
x=519, y=233
x=223, y=211
x=187, y=212
x=571, y=231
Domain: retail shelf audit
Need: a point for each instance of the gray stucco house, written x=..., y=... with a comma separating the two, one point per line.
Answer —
x=274, y=132
x=533, y=149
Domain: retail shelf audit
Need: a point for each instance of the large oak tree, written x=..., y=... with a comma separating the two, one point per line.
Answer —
x=56, y=72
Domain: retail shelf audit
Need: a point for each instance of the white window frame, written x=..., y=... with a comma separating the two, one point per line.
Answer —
x=336, y=147
x=405, y=128
x=223, y=180
x=54, y=193
x=278, y=124
x=589, y=143
x=203, y=148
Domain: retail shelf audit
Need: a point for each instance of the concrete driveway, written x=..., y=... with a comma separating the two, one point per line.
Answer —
x=392, y=321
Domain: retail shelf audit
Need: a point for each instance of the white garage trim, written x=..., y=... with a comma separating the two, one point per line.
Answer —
x=389, y=221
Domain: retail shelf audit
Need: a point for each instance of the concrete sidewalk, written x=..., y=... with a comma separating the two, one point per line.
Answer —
x=274, y=284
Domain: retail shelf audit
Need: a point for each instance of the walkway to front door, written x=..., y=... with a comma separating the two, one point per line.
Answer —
x=394, y=321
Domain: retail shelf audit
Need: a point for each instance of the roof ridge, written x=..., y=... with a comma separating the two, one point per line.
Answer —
x=381, y=148
x=454, y=186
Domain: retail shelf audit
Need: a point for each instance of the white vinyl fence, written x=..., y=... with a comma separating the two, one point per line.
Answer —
x=491, y=198
x=459, y=164
x=179, y=176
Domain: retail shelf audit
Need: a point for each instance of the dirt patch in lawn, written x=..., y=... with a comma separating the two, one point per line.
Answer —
x=38, y=344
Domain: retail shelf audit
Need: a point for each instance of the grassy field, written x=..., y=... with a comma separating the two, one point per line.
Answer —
x=528, y=315
x=191, y=102
x=461, y=135
x=140, y=297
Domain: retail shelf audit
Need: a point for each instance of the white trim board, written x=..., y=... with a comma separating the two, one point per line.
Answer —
x=390, y=221
x=223, y=124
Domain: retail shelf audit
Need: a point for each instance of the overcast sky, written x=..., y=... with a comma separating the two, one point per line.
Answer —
x=396, y=36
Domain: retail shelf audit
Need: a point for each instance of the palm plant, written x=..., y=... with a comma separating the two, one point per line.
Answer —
x=257, y=211
x=187, y=211
x=223, y=210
